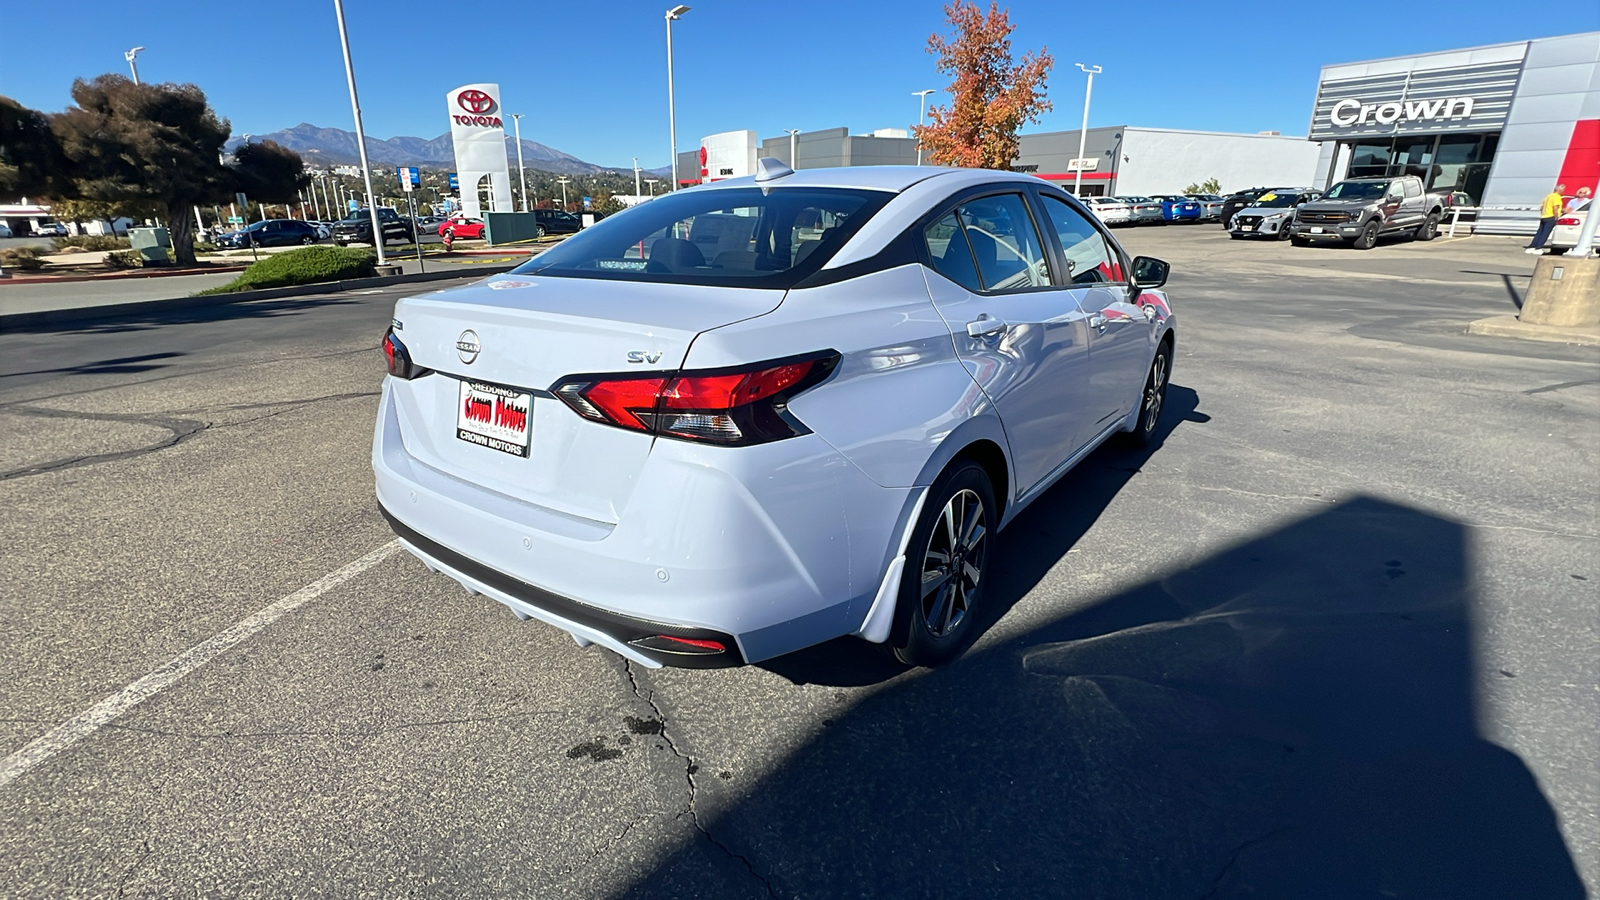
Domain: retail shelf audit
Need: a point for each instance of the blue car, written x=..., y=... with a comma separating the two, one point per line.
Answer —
x=1179, y=209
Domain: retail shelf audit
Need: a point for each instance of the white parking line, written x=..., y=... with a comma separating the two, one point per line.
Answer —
x=95, y=717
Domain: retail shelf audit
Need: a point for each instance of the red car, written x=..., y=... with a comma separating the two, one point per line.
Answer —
x=466, y=229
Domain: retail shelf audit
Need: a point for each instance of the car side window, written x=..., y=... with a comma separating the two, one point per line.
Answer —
x=1089, y=259
x=1005, y=243
x=1413, y=188
x=950, y=253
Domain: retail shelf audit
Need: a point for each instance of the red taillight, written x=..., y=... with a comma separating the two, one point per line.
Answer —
x=666, y=643
x=398, y=359
x=1570, y=220
x=740, y=406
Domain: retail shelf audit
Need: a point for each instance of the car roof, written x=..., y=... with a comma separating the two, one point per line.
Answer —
x=874, y=178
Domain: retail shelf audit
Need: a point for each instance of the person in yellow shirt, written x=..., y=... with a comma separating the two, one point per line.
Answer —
x=1549, y=212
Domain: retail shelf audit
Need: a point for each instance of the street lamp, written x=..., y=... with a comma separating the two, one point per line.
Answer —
x=922, y=117
x=361, y=137
x=636, y=191
x=652, y=183
x=794, y=160
x=522, y=176
x=130, y=56
x=563, y=181
x=672, y=113
x=1083, y=134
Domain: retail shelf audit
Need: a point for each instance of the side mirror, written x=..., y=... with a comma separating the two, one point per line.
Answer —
x=1149, y=273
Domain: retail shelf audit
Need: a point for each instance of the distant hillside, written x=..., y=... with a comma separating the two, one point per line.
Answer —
x=335, y=146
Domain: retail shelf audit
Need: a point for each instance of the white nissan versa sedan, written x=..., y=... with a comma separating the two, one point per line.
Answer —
x=749, y=417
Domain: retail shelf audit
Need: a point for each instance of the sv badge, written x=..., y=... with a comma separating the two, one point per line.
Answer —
x=640, y=356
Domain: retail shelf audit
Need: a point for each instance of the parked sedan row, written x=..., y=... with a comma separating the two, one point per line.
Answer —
x=1157, y=210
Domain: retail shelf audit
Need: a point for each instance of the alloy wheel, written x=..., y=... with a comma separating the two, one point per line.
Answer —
x=1155, y=392
x=953, y=563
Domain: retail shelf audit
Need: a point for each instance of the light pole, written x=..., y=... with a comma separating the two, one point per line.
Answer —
x=361, y=137
x=652, y=183
x=636, y=191
x=794, y=159
x=922, y=117
x=131, y=56
x=522, y=176
x=1083, y=133
x=563, y=181
x=672, y=112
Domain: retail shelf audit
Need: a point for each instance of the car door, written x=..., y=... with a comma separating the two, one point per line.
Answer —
x=1019, y=332
x=1120, y=335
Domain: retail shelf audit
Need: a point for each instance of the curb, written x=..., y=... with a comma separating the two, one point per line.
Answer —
x=117, y=276
x=138, y=307
x=1512, y=327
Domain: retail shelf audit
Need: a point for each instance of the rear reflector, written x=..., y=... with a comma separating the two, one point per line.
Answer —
x=666, y=643
x=736, y=406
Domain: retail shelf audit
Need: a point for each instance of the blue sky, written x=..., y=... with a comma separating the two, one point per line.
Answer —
x=590, y=76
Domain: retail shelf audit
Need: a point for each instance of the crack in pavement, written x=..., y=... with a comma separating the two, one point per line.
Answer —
x=181, y=430
x=648, y=696
x=1233, y=860
x=144, y=857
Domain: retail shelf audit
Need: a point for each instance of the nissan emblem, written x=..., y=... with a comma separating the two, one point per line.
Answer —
x=467, y=346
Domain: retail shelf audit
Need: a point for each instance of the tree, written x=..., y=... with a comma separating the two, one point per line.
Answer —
x=161, y=145
x=31, y=163
x=992, y=95
x=1209, y=186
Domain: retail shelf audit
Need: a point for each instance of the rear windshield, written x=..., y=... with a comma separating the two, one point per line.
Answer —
x=734, y=237
x=1356, y=190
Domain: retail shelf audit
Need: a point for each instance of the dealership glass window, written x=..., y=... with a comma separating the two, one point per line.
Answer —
x=1447, y=163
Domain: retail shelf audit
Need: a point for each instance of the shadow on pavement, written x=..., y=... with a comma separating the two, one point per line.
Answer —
x=122, y=365
x=145, y=320
x=1290, y=718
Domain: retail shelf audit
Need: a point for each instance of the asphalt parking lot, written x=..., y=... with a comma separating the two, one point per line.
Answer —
x=1336, y=635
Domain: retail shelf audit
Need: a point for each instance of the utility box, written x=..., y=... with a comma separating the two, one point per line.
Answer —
x=151, y=244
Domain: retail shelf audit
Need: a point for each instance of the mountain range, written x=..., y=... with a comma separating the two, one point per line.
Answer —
x=322, y=147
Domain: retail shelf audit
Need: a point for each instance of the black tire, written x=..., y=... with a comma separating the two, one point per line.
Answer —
x=955, y=579
x=1285, y=231
x=1368, y=238
x=307, y=241
x=1429, y=229
x=538, y=231
x=1152, y=399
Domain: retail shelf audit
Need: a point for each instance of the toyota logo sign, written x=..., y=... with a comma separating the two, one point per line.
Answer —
x=475, y=101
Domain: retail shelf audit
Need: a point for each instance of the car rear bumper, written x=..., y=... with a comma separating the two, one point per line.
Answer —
x=750, y=547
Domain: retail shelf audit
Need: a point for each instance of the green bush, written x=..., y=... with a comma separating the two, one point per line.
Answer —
x=90, y=242
x=308, y=265
x=125, y=259
x=24, y=257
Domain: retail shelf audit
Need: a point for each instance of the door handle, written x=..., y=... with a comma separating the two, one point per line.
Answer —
x=985, y=325
x=1097, y=321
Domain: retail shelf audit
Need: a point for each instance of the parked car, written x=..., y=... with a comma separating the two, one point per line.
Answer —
x=357, y=227
x=1146, y=211
x=555, y=221
x=5, y=230
x=462, y=227
x=323, y=229
x=49, y=229
x=1358, y=211
x=1271, y=215
x=271, y=233
x=1569, y=227
x=659, y=451
x=1210, y=206
x=1177, y=208
x=1110, y=210
x=1241, y=199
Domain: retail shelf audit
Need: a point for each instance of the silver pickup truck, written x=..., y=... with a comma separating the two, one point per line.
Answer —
x=1361, y=210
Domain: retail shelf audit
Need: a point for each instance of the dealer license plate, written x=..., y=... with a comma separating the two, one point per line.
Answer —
x=1247, y=228
x=1316, y=229
x=493, y=416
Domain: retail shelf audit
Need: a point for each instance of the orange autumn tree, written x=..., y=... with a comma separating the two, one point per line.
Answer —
x=993, y=96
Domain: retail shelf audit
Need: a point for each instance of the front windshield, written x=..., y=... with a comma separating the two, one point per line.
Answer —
x=1357, y=190
x=1277, y=201
x=735, y=237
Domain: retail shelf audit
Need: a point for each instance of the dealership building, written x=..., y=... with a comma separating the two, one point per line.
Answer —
x=1116, y=160
x=1502, y=124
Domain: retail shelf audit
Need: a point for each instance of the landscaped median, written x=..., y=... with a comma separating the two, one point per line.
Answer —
x=307, y=265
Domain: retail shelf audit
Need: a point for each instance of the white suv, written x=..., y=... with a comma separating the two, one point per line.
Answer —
x=749, y=417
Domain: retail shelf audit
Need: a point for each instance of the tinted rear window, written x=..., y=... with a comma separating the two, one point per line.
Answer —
x=735, y=237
